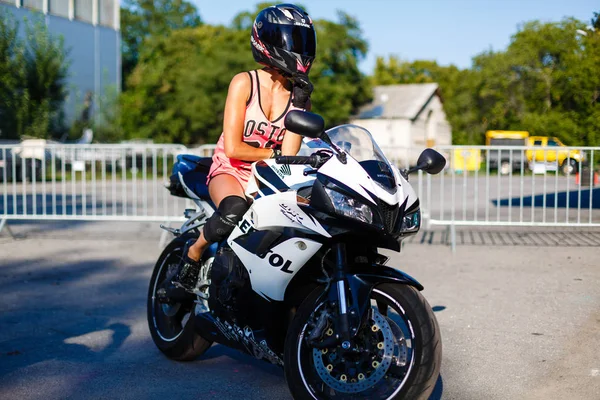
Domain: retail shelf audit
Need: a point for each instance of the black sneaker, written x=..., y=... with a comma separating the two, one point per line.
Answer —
x=187, y=277
x=187, y=273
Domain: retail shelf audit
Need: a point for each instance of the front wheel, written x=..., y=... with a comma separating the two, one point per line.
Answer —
x=171, y=323
x=395, y=355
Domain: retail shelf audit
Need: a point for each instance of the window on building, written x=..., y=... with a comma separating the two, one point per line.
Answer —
x=107, y=12
x=84, y=10
x=35, y=4
x=59, y=7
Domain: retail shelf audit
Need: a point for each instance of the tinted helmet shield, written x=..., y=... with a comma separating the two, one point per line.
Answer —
x=296, y=39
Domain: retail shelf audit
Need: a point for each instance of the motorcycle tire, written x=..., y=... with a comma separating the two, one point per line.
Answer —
x=423, y=372
x=178, y=340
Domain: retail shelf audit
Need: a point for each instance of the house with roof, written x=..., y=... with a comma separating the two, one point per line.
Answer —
x=406, y=119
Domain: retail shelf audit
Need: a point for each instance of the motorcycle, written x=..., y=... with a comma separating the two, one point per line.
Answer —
x=300, y=282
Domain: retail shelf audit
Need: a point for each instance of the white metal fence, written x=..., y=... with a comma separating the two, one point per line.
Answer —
x=481, y=186
x=88, y=182
x=512, y=186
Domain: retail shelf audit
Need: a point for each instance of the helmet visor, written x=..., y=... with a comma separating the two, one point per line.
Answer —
x=294, y=38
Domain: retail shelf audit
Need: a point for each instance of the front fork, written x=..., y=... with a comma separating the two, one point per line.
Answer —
x=345, y=313
x=340, y=292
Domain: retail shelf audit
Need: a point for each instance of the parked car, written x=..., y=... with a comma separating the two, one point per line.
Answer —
x=564, y=158
x=505, y=160
x=14, y=167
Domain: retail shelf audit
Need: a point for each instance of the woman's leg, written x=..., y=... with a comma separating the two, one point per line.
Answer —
x=219, y=187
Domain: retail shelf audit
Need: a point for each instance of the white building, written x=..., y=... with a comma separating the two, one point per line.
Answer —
x=90, y=29
x=405, y=119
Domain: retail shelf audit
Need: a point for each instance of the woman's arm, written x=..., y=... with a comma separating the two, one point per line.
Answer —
x=292, y=141
x=233, y=122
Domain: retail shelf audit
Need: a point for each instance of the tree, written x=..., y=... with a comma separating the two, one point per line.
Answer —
x=46, y=68
x=11, y=75
x=177, y=91
x=32, y=80
x=340, y=87
x=549, y=84
x=141, y=19
x=545, y=82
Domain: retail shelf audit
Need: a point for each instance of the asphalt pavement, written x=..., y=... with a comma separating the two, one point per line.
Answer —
x=518, y=320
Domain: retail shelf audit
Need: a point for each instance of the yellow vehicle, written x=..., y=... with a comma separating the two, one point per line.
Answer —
x=465, y=159
x=505, y=159
x=566, y=159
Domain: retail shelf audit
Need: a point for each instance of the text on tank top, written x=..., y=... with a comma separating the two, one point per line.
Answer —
x=259, y=131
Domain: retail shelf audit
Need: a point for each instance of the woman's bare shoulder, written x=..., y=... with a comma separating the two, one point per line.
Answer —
x=240, y=81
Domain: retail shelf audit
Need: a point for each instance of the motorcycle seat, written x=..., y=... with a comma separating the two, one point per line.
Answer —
x=194, y=171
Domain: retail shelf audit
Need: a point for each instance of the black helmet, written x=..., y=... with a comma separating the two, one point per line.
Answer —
x=283, y=37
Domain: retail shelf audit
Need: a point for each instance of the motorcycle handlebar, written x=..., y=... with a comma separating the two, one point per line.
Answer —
x=313, y=160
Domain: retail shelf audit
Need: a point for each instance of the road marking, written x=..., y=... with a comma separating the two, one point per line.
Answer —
x=595, y=372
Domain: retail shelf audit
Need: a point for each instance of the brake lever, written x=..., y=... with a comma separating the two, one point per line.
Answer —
x=310, y=172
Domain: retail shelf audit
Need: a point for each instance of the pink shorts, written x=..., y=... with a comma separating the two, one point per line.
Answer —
x=217, y=168
x=221, y=164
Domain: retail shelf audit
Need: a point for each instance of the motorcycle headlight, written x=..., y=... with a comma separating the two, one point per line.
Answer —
x=411, y=222
x=349, y=207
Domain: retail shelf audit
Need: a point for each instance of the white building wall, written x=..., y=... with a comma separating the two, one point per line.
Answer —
x=392, y=135
x=93, y=45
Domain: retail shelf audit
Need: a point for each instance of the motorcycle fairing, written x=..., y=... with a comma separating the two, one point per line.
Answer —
x=271, y=274
x=272, y=269
x=356, y=178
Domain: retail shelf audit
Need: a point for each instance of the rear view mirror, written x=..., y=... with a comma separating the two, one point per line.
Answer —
x=429, y=161
x=304, y=123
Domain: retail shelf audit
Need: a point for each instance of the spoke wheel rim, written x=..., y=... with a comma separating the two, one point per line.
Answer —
x=376, y=383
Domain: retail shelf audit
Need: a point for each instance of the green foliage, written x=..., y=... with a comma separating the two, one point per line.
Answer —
x=340, y=87
x=32, y=80
x=547, y=82
x=177, y=91
x=12, y=76
x=596, y=21
x=141, y=19
x=106, y=122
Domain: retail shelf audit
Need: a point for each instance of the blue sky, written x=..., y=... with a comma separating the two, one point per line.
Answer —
x=449, y=31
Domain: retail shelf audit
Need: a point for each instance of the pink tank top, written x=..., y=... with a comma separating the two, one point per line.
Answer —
x=258, y=132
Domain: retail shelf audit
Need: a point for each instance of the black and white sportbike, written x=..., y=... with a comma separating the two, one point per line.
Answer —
x=300, y=281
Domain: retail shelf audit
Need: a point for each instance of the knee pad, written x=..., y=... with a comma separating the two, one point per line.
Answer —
x=223, y=221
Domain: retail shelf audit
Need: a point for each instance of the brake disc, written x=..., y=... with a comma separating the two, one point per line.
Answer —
x=366, y=379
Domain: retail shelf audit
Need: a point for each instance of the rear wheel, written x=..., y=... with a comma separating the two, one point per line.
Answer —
x=171, y=323
x=395, y=355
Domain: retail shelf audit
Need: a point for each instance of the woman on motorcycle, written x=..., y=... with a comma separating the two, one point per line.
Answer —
x=283, y=39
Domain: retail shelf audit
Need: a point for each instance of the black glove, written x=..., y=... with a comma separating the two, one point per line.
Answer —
x=302, y=90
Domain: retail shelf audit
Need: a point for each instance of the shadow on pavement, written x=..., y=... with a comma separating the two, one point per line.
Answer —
x=75, y=326
x=585, y=198
x=65, y=311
